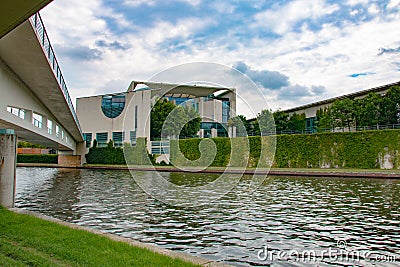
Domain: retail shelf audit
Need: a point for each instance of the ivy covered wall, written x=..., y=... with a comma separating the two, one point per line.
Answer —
x=367, y=149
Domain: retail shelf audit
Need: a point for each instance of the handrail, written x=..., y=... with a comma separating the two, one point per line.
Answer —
x=336, y=129
x=37, y=22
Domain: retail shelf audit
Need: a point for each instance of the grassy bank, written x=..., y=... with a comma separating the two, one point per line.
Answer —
x=29, y=241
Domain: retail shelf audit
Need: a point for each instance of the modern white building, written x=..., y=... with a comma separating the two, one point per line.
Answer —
x=123, y=117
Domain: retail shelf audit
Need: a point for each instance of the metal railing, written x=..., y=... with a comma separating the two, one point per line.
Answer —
x=159, y=147
x=337, y=129
x=44, y=40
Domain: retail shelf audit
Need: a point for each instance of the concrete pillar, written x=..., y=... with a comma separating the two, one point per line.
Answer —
x=8, y=151
x=214, y=133
x=232, y=131
x=29, y=116
x=201, y=133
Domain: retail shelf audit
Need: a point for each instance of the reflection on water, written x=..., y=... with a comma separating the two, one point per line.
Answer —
x=284, y=214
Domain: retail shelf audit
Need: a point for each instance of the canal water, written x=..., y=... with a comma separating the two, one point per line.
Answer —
x=286, y=221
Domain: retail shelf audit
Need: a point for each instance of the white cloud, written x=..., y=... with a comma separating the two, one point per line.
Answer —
x=224, y=7
x=325, y=57
x=162, y=30
x=135, y=3
x=282, y=18
x=356, y=2
x=373, y=9
x=394, y=4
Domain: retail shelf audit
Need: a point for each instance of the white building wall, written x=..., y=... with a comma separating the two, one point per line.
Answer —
x=93, y=120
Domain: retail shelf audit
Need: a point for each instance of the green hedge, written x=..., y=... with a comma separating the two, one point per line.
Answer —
x=36, y=158
x=367, y=149
x=135, y=155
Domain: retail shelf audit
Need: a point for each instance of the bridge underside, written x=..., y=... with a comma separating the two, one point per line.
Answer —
x=14, y=12
x=32, y=137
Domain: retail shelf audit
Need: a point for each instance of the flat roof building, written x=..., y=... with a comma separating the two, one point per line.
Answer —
x=310, y=110
x=125, y=116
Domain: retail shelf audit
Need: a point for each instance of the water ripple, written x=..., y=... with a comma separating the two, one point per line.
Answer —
x=285, y=214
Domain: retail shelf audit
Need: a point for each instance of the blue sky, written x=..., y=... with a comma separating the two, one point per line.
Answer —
x=296, y=51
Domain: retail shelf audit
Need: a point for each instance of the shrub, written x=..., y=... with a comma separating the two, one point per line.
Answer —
x=32, y=158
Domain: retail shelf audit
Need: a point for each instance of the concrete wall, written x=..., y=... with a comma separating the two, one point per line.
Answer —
x=93, y=120
x=28, y=150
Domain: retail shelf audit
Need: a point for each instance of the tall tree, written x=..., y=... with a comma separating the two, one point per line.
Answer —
x=297, y=122
x=281, y=120
x=193, y=122
x=243, y=127
x=158, y=116
x=266, y=122
x=324, y=119
x=393, y=104
x=342, y=112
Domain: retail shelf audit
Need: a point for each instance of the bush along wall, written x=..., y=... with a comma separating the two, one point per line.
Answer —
x=40, y=158
x=362, y=150
x=110, y=155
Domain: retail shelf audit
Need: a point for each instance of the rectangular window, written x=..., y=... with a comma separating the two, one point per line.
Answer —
x=49, y=126
x=88, y=139
x=225, y=111
x=57, y=131
x=62, y=135
x=17, y=112
x=118, y=138
x=133, y=138
x=37, y=120
x=102, y=139
x=136, y=116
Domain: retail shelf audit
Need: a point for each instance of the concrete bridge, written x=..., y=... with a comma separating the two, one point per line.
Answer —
x=35, y=105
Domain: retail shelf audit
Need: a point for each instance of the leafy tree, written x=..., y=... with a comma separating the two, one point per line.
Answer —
x=324, y=119
x=243, y=127
x=30, y=145
x=393, y=104
x=367, y=111
x=183, y=120
x=281, y=120
x=255, y=128
x=297, y=122
x=158, y=116
x=266, y=122
x=191, y=128
x=343, y=114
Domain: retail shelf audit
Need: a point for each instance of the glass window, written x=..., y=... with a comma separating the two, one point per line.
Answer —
x=49, y=126
x=118, y=138
x=133, y=138
x=88, y=139
x=17, y=112
x=113, y=105
x=57, y=131
x=136, y=116
x=102, y=139
x=225, y=110
x=37, y=120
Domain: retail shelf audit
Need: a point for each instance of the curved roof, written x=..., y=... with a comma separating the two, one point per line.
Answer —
x=179, y=90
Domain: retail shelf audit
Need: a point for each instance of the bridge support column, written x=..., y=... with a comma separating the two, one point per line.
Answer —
x=8, y=159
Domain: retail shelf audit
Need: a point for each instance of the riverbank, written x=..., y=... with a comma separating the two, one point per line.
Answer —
x=32, y=239
x=345, y=173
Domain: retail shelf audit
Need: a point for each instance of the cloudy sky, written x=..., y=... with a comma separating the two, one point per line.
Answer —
x=296, y=51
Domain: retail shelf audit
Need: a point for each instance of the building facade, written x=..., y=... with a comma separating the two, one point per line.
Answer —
x=124, y=117
x=310, y=110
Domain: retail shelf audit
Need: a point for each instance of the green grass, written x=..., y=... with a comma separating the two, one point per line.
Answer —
x=28, y=241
